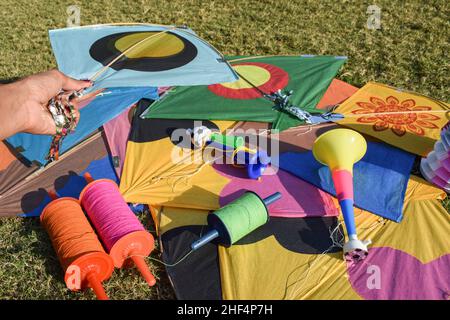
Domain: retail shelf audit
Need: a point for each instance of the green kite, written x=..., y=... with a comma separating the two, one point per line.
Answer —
x=268, y=87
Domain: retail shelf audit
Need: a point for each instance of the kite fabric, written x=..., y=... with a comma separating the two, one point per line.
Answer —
x=190, y=182
x=337, y=92
x=12, y=170
x=411, y=259
x=380, y=177
x=147, y=55
x=300, y=199
x=309, y=257
x=105, y=105
x=26, y=200
x=117, y=131
x=414, y=125
x=29, y=196
x=165, y=182
x=301, y=138
x=175, y=243
x=243, y=100
x=180, y=227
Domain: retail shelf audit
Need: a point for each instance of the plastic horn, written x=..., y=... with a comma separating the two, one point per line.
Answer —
x=340, y=149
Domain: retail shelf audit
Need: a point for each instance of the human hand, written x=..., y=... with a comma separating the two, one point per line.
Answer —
x=23, y=103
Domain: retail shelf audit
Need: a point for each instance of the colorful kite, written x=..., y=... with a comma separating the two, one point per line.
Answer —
x=117, y=132
x=12, y=169
x=252, y=97
x=137, y=55
x=309, y=255
x=104, y=106
x=124, y=60
x=163, y=181
x=24, y=189
x=175, y=178
x=380, y=178
x=409, y=121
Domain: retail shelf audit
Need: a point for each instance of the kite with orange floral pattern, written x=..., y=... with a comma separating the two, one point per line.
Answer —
x=406, y=120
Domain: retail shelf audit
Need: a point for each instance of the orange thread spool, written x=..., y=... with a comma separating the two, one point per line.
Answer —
x=80, y=253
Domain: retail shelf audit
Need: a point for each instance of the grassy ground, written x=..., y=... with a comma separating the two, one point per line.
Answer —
x=409, y=51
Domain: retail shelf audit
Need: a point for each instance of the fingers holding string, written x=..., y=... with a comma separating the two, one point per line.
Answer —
x=70, y=84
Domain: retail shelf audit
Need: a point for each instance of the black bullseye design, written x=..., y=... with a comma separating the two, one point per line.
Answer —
x=105, y=50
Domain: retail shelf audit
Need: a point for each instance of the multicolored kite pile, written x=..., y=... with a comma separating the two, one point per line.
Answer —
x=210, y=143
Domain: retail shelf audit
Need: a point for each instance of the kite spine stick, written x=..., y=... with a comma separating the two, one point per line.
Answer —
x=102, y=70
x=121, y=24
x=354, y=115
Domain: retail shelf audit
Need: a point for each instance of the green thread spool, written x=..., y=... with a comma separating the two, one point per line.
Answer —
x=229, y=141
x=237, y=219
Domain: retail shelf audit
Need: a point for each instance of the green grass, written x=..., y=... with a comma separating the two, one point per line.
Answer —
x=410, y=51
x=29, y=268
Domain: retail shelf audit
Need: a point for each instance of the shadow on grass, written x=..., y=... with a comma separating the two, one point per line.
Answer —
x=42, y=247
x=9, y=80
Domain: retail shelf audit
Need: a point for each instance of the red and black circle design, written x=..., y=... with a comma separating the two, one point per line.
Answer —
x=105, y=50
x=277, y=79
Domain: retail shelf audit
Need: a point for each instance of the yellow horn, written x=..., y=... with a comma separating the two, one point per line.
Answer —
x=340, y=149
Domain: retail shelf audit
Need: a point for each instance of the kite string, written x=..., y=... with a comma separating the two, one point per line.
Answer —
x=334, y=244
x=109, y=212
x=309, y=129
x=179, y=176
x=179, y=260
x=69, y=230
x=102, y=70
x=164, y=263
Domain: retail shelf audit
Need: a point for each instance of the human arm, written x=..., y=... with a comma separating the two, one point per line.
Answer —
x=23, y=103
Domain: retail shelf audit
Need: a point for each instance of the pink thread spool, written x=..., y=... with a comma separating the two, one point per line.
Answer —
x=122, y=234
